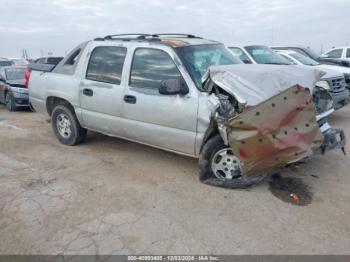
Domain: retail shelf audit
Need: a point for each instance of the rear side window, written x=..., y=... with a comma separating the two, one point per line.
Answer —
x=106, y=64
x=73, y=58
x=150, y=67
x=336, y=53
x=348, y=53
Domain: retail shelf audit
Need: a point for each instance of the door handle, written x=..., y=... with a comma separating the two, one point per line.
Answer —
x=88, y=92
x=130, y=99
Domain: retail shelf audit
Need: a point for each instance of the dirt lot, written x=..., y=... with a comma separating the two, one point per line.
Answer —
x=110, y=196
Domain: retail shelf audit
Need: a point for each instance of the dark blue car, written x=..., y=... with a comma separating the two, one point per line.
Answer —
x=13, y=91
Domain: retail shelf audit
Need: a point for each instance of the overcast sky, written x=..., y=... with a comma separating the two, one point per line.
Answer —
x=57, y=26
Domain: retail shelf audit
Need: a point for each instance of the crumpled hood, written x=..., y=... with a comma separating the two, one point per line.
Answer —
x=253, y=84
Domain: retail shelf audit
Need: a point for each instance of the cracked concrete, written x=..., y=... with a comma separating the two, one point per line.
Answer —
x=109, y=196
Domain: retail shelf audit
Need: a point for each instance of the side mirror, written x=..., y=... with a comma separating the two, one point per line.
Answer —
x=173, y=87
x=324, y=56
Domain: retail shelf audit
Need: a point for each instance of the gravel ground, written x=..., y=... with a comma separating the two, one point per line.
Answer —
x=110, y=196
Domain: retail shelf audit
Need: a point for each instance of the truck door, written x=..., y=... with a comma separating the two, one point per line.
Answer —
x=101, y=90
x=165, y=121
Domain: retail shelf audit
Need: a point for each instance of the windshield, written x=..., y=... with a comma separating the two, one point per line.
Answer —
x=303, y=59
x=5, y=63
x=15, y=73
x=198, y=58
x=311, y=53
x=265, y=55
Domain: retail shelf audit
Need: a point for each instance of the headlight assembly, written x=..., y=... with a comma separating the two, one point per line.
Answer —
x=324, y=84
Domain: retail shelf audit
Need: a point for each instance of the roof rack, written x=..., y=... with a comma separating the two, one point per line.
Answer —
x=140, y=37
x=177, y=35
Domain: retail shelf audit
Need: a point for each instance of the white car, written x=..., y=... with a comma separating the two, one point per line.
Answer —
x=342, y=53
x=331, y=81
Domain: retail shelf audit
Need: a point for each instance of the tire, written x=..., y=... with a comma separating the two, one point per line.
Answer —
x=210, y=150
x=10, y=102
x=66, y=126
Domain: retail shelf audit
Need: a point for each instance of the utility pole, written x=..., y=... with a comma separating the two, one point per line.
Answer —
x=25, y=54
x=272, y=36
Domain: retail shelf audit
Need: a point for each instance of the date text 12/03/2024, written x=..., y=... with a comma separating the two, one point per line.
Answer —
x=173, y=258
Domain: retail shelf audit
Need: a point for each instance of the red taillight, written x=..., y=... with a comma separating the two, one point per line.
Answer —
x=27, y=76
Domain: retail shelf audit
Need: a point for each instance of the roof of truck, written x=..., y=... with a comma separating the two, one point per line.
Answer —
x=173, y=40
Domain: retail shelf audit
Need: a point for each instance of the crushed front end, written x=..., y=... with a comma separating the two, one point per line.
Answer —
x=272, y=120
x=280, y=131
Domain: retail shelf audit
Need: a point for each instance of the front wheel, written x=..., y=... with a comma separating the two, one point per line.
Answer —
x=66, y=126
x=218, y=166
x=10, y=102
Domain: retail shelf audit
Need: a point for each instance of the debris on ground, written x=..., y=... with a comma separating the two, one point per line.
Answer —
x=290, y=189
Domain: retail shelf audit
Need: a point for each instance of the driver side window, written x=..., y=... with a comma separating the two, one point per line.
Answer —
x=336, y=53
x=150, y=67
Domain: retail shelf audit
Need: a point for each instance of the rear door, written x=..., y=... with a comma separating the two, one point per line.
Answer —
x=165, y=121
x=101, y=89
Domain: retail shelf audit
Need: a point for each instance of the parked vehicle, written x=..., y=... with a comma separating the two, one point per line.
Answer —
x=13, y=91
x=48, y=60
x=19, y=62
x=191, y=96
x=258, y=54
x=314, y=55
x=5, y=62
x=333, y=80
x=265, y=55
x=341, y=54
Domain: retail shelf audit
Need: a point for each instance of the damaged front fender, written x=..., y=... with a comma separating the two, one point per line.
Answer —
x=278, y=131
x=266, y=114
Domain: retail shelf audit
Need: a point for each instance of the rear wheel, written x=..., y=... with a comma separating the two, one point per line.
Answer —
x=66, y=126
x=10, y=102
x=218, y=166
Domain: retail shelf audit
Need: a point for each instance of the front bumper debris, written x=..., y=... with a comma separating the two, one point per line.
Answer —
x=334, y=138
x=276, y=132
x=340, y=99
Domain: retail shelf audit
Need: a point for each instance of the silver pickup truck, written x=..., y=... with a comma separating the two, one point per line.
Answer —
x=191, y=96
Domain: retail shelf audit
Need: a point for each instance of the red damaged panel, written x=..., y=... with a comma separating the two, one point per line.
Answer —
x=278, y=131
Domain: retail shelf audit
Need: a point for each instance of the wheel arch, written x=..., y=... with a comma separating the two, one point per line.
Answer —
x=53, y=101
x=210, y=133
